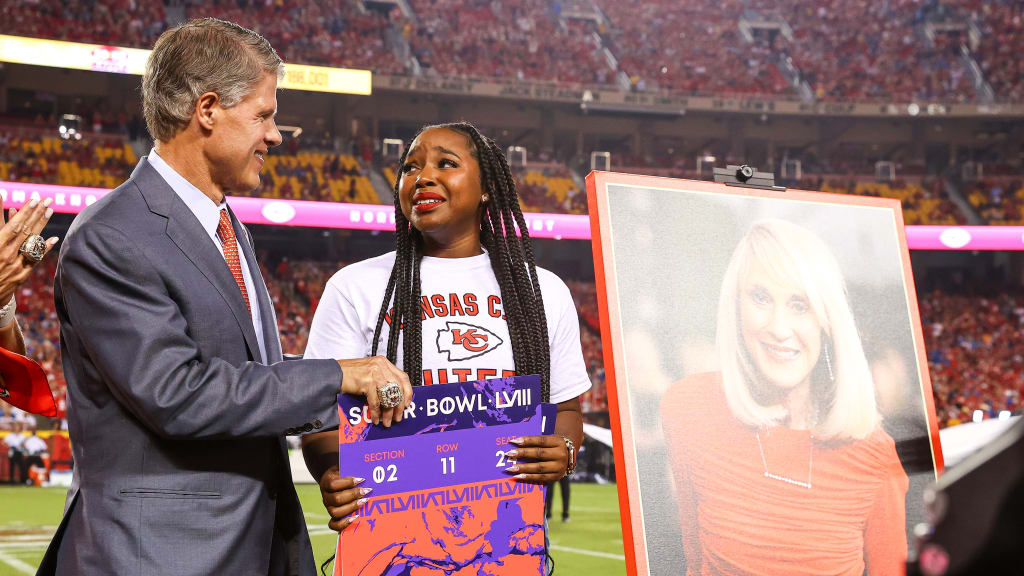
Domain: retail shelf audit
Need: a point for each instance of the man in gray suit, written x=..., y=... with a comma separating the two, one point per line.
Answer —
x=178, y=399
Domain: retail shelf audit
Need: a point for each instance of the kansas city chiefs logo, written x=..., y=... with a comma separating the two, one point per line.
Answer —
x=464, y=341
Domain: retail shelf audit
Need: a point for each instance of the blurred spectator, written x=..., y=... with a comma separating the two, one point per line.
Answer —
x=14, y=443
x=35, y=450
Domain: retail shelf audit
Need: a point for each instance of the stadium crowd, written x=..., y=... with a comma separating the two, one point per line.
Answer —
x=923, y=202
x=516, y=40
x=690, y=47
x=295, y=287
x=326, y=33
x=845, y=50
x=307, y=172
x=869, y=51
x=1002, y=43
x=974, y=343
x=999, y=202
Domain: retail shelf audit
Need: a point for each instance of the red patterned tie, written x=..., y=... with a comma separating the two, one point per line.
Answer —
x=230, y=245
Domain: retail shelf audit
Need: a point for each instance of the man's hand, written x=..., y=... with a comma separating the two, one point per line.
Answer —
x=363, y=376
x=342, y=498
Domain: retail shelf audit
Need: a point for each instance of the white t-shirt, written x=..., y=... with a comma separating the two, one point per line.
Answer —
x=34, y=445
x=14, y=440
x=465, y=336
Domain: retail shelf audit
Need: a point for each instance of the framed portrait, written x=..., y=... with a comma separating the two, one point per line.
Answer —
x=768, y=386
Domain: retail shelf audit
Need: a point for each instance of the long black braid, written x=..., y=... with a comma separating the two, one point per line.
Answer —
x=511, y=258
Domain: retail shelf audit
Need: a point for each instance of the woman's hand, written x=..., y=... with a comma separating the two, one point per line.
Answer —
x=342, y=498
x=14, y=267
x=363, y=376
x=548, y=459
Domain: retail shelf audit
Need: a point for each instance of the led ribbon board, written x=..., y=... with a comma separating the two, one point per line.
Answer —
x=100, y=58
x=380, y=217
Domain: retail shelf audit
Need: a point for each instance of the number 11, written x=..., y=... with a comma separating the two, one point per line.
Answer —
x=448, y=465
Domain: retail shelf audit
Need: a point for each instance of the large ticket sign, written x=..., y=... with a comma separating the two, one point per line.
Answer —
x=768, y=386
x=442, y=502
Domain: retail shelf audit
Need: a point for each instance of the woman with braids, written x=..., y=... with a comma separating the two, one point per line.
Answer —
x=467, y=296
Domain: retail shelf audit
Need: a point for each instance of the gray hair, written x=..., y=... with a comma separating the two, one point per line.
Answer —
x=200, y=56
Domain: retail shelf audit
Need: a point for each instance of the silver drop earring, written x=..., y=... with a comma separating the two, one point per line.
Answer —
x=828, y=363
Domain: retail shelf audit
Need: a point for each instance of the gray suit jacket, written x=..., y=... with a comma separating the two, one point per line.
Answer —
x=176, y=426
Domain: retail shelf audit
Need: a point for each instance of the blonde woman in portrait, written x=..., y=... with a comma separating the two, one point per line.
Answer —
x=779, y=461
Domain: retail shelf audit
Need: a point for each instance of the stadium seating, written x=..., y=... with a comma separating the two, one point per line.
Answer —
x=923, y=203
x=846, y=50
x=1001, y=46
x=584, y=295
x=973, y=341
x=101, y=163
x=690, y=47
x=518, y=40
x=327, y=33
x=999, y=202
x=295, y=288
x=317, y=176
x=29, y=155
x=112, y=22
x=868, y=51
x=974, y=358
x=549, y=189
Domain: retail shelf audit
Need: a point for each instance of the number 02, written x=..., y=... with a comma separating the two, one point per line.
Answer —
x=379, y=473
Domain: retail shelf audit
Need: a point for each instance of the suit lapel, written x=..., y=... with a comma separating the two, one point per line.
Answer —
x=188, y=234
x=271, y=338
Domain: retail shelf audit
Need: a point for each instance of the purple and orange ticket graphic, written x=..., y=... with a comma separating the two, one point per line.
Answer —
x=429, y=461
x=443, y=503
x=493, y=528
x=441, y=407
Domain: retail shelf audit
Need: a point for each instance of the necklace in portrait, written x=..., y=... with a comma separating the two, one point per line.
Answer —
x=767, y=474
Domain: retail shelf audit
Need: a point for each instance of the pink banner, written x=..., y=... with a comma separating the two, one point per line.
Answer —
x=71, y=200
x=965, y=237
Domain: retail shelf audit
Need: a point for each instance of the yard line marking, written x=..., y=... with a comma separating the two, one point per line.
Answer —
x=20, y=547
x=587, y=552
x=22, y=537
x=29, y=543
x=31, y=552
x=16, y=564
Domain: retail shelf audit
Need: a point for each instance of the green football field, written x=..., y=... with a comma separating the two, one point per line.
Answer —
x=589, y=545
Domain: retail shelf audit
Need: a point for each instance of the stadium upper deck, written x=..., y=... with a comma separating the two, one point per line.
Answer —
x=954, y=51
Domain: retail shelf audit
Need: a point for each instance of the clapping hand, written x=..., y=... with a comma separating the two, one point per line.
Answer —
x=21, y=247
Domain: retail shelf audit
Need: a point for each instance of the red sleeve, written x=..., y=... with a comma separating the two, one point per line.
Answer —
x=676, y=438
x=885, y=533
